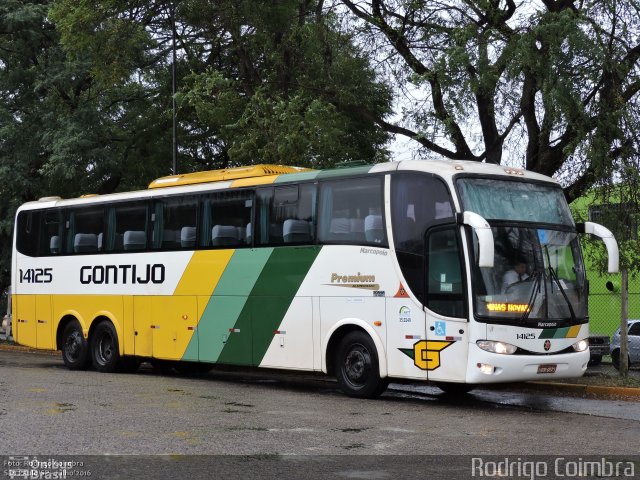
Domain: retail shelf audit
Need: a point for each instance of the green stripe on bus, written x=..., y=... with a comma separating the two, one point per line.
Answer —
x=297, y=177
x=555, y=333
x=548, y=333
x=226, y=304
x=344, y=172
x=267, y=305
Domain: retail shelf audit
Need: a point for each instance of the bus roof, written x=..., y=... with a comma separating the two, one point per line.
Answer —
x=274, y=174
x=250, y=171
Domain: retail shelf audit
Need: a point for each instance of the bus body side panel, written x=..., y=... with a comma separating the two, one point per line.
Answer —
x=405, y=333
x=45, y=333
x=173, y=321
x=270, y=279
x=222, y=323
x=292, y=345
x=24, y=320
x=86, y=308
x=446, y=348
x=351, y=284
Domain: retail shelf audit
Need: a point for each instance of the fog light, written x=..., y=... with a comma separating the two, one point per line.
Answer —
x=580, y=346
x=486, y=369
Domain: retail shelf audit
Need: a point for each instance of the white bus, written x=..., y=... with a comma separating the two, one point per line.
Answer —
x=458, y=273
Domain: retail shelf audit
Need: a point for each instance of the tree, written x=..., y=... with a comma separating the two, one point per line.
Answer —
x=546, y=85
x=85, y=93
x=259, y=81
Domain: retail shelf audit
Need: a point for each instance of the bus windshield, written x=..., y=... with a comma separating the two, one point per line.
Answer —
x=496, y=199
x=537, y=279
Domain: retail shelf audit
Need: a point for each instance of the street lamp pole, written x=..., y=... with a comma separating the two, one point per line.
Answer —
x=173, y=89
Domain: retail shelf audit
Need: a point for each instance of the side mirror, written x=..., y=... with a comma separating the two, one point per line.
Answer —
x=608, y=239
x=485, y=237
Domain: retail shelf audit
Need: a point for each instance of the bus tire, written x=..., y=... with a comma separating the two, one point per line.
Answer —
x=357, y=369
x=75, y=349
x=105, y=351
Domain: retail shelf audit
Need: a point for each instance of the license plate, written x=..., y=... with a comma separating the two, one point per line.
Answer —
x=547, y=368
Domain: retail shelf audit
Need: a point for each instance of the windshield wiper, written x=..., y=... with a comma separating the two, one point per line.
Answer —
x=537, y=275
x=554, y=278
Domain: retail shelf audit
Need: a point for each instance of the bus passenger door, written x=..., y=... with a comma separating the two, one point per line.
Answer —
x=24, y=322
x=44, y=327
x=446, y=348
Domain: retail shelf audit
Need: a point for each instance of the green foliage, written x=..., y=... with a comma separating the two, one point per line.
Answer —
x=85, y=93
x=551, y=86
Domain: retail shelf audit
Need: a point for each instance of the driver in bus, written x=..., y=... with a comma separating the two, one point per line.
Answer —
x=517, y=274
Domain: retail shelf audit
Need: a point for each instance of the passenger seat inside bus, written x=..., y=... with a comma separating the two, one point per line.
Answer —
x=356, y=229
x=188, y=237
x=85, y=243
x=339, y=229
x=249, y=234
x=54, y=244
x=134, y=240
x=296, y=231
x=373, y=229
x=224, y=235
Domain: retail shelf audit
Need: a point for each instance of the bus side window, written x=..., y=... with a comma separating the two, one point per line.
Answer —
x=417, y=202
x=127, y=227
x=174, y=223
x=445, y=292
x=286, y=215
x=225, y=217
x=351, y=212
x=52, y=235
x=28, y=232
x=84, y=230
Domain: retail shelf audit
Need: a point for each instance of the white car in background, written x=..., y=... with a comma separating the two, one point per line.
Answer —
x=633, y=333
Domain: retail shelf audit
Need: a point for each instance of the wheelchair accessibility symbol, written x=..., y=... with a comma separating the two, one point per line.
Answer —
x=441, y=329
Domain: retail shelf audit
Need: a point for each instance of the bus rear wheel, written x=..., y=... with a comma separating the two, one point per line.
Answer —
x=75, y=349
x=357, y=369
x=105, y=351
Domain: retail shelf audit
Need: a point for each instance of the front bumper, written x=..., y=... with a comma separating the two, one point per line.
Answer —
x=516, y=368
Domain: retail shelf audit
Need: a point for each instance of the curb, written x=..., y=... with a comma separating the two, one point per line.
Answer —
x=628, y=392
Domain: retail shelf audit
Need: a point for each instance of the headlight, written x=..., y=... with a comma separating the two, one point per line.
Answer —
x=497, y=347
x=580, y=346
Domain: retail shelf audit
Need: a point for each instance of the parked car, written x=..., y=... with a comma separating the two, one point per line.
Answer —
x=634, y=344
x=599, y=345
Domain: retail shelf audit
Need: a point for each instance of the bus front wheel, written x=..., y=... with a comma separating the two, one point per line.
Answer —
x=75, y=349
x=105, y=351
x=357, y=369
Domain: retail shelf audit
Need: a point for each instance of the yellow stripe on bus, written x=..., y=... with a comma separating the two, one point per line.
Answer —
x=203, y=272
x=574, y=331
x=249, y=182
